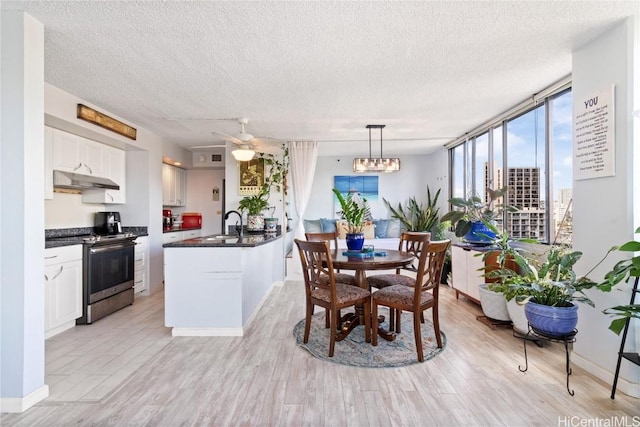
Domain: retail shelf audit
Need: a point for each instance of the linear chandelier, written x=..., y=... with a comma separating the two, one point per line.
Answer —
x=375, y=164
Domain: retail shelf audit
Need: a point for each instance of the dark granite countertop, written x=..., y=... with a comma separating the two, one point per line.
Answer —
x=173, y=230
x=58, y=237
x=226, y=241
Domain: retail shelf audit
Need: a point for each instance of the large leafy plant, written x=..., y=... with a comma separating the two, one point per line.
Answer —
x=623, y=271
x=416, y=216
x=254, y=204
x=474, y=209
x=354, y=213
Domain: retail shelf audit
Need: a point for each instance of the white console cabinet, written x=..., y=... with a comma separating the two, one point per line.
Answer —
x=464, y=272
x=63, y=288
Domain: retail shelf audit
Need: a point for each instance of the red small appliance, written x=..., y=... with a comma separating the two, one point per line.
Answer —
x=191, y=220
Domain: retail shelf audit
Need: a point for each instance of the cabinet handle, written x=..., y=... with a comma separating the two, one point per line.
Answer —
x=90, y=171
x=110, y=196
x=78, y=167
x=46, y=278
x=58, y=273
x=51, y=257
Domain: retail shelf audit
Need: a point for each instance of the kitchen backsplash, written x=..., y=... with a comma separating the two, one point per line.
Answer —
x=68, y=211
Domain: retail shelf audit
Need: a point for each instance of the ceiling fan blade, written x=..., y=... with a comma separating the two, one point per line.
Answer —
x=267, y=149
x=228, y=137
x=208, y=146
x=268, y=140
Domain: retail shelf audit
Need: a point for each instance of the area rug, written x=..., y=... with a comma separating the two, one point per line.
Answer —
x=354, y=351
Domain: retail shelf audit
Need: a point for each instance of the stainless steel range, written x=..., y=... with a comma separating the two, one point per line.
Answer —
x=108, y=267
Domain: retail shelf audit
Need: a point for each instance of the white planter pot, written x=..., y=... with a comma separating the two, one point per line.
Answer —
x=493, y=304
x=518, y=317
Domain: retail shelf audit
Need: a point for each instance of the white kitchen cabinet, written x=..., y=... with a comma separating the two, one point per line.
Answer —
x=140, y=276
x=48, y=162
x=464, y=272
x=174, y=186
x=73, y=153
x=172, y=237
x=63, y=288
x=115, y=164
x=190, y=234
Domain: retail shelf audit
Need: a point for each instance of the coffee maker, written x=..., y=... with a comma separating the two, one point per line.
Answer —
x=167, y=219
x=107, y=223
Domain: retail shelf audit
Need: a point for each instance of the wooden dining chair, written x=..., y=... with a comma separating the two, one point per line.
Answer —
x=411, y=242
x=322, y=289
x=422, y=295
x=332, y=238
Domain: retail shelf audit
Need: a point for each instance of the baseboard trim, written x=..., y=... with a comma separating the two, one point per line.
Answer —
x=624, y=386
x=21, y=404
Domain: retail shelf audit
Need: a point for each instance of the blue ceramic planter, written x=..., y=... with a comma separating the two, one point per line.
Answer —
x=355, y=241
x=479, y=233
x=552, y=320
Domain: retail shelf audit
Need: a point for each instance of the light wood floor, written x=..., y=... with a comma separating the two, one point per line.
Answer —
x=126, y=369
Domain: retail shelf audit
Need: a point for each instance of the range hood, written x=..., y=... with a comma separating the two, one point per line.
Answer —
x=77, y=181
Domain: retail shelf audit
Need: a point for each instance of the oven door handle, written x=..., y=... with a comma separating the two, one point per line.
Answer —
x=109, y=248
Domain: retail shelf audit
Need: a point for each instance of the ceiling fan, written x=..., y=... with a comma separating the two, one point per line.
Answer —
x=247, y=144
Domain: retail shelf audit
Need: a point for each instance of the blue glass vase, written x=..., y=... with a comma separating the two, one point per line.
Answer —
x=355, y=241
x=479, y=233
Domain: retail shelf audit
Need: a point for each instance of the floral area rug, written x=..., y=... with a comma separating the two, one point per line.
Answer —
x=354, y=351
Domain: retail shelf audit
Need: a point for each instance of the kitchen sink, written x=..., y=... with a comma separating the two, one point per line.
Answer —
x=222, y=237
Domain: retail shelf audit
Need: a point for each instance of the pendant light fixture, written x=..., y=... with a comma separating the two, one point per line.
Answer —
x=375, y=164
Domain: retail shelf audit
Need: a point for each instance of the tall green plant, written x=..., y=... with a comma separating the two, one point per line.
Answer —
x=354, y=213
x=416, y=216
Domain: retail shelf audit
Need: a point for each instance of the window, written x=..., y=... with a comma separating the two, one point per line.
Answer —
x=530, y=152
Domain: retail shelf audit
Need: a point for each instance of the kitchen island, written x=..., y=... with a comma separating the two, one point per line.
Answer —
x=214, y=285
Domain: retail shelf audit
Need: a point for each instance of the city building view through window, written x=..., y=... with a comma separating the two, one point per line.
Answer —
x=530, y=153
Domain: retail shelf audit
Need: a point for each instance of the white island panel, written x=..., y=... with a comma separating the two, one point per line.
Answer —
x=217, y=291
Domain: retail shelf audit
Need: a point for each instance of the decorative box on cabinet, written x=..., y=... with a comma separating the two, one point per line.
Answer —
x=140, y=276
x=63, y=288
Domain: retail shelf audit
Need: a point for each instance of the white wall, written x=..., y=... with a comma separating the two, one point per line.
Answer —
x=200, y=183
x=68, y=211
x=604, y=207
x=22, y=213
x=416, y=173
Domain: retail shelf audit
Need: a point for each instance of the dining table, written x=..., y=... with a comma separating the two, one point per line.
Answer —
x=360, y=263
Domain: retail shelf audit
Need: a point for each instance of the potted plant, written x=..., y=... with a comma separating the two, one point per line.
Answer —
x=473, y=214
x=623, y=271
x=416, y=216
x=355, y=215
x=254, y=205
x=506, y=258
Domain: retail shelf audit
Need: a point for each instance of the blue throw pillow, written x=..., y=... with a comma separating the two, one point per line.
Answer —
x=312, y=226
x=328, y=225
x=381, y=228
x=393, y=229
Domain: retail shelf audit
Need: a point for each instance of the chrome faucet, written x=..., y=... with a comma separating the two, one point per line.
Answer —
x=226, y=217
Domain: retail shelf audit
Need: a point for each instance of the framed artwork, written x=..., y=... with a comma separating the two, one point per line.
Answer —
x=362, y=187
x=251, y=176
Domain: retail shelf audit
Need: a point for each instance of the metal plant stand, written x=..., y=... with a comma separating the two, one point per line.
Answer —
x=536, y=335
x=631, y=357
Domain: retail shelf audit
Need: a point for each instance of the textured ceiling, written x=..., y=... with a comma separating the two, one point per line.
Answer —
x=318, y=71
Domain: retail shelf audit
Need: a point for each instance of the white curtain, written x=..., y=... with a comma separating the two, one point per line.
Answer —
x=303, y=156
